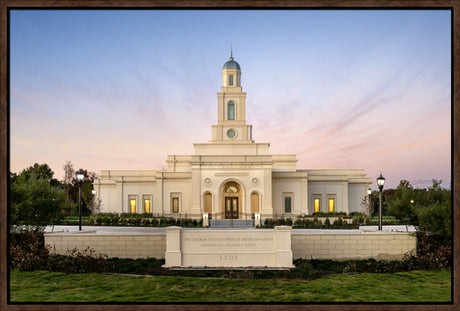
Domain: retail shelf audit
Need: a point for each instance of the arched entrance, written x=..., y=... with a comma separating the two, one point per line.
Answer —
x=231, y=200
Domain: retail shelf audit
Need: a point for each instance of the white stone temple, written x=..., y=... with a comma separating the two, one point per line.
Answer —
x=231, y=176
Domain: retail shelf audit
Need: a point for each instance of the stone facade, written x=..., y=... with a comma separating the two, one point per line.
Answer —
x=231, y=176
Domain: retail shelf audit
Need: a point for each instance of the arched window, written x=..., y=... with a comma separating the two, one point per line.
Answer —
x=231, y=189
x=231, y=111
x=255, y=202
x=208, y=203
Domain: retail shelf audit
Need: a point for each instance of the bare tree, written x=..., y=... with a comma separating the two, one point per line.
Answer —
x=69, y=174
x=366, y=207
x=95, y=206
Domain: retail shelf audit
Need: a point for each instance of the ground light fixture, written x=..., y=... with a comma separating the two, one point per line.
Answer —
x=80, y=176
x=380, y=183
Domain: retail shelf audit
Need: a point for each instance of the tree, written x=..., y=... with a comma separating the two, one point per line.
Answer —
x=41, y=171
x=366, y=207
x=86, y=190
x=69, y=173
x=35, y=200
x=401, y=203
x=427, y=209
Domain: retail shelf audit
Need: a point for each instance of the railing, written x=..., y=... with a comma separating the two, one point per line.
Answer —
x=245, y=219
x=224, y=215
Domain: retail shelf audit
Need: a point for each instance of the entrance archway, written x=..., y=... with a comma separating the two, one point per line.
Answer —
x=231, y=200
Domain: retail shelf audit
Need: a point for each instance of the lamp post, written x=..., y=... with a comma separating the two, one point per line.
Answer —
x=93, y=199
x=380, y=183
x=80, y=176
x=369, y=192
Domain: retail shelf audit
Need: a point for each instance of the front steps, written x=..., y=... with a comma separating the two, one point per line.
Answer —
x=231, y=223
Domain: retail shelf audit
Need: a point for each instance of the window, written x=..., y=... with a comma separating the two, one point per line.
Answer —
x=231, y=133
x=231, y=189
x=331, y=198
x=317, y=205
x=147, y=199
x=331, y=205
x=175, y=202
x=132, y=204
x=231, y=80
x=175, y=205
x=287, y=204
x=288, y=198
x=254, y=202
x=208, y=203
x=231, y=111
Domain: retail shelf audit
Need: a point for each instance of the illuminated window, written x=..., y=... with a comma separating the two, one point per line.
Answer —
x=231, y=80
x=331, y=205
x=146, y=205
x=231, y=189
x=175, y=203
x=317, y=205
x=132, y=205
x=231, y=111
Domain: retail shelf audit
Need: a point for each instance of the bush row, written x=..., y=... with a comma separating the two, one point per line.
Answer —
x=27, y=253
x=143, y=220
x=313, y=222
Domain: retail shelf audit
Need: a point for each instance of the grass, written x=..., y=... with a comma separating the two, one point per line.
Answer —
x=415, y=286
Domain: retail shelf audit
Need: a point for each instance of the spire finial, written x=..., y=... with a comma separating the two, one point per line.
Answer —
x=231, y=52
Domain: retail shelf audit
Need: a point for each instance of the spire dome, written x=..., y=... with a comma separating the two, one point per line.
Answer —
x=231, y=64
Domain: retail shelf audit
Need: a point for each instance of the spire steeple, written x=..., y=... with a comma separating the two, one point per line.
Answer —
x=231, y=107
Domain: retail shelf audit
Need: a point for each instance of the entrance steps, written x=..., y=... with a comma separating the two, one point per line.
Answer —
x=231, y=223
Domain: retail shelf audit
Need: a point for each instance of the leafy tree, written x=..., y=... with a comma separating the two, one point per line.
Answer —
x=427, y=209
x=401, y=203
x=41, y=171
x=35, y=200
x=86, y=193
x=436, y=219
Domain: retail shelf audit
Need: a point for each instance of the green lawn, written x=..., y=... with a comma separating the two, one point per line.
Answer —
x=416, y=286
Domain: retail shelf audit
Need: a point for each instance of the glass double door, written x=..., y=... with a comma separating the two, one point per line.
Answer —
x=231, y=207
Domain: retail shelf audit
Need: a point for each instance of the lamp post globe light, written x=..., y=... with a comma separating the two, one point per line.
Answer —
x=80, y=176
x=380, y=183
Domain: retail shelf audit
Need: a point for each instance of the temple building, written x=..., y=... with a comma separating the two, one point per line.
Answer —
x=231, y=176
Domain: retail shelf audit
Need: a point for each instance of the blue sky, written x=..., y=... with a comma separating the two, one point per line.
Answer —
x=117, y=89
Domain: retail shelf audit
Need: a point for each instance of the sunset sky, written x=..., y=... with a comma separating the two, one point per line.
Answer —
x=116, y=89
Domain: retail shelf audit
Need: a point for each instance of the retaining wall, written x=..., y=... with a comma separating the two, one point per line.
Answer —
x=381, y=246
x=307, y=244
x=122, y=246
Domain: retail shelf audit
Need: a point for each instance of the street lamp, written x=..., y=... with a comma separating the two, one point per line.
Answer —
x=93, y=199
x=369, y=192
x=80, y=176
x=380, y=183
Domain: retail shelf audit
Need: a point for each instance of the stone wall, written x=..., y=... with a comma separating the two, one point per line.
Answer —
x=122, y=246
x=307, y=244
x=381, y=246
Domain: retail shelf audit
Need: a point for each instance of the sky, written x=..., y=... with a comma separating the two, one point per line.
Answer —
x=341, y=89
